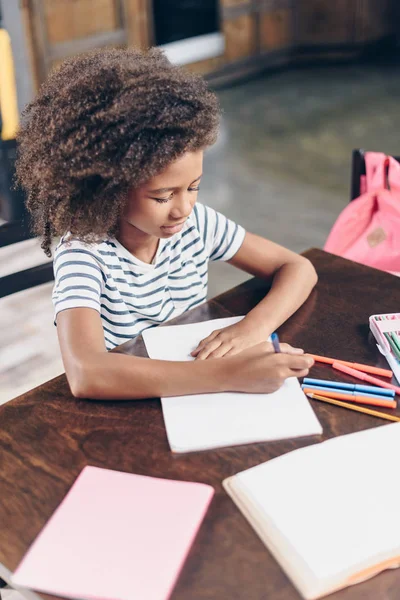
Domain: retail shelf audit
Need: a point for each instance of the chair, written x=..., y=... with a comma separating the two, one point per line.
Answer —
x=12, y=206
x=12, y=233
x=16, y=227
x=358, y=171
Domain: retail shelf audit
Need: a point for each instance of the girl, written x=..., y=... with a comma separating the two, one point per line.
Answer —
x=110, y=157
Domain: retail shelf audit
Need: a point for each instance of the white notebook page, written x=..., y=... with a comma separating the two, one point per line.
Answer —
x=204, y=421
x=335, y=503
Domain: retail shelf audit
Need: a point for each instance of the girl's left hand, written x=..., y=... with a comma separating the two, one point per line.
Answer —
x=234, y=339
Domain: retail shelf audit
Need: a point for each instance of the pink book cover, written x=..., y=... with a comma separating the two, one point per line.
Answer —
x=116, y=536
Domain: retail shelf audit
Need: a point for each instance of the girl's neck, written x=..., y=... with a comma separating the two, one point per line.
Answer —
x=142, y=245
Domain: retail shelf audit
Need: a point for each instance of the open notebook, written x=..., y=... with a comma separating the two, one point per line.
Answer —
x=116, y=536
x=204, y=421
x=329, y=513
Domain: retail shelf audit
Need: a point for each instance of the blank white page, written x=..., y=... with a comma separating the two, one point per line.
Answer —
x=204, y=421
x=334, y=505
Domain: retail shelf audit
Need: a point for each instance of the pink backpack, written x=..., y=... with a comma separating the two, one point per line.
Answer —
x=368, y=229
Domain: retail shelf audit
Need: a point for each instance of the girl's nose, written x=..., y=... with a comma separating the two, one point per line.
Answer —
x=182, y=206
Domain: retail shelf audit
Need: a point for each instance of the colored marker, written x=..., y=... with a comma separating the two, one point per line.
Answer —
x=360, y=409
x=358, y=375
x=359, y=366
x=392, y=345
x=275, y=342
x=352, y=396
x=354, y=387
x=349, y=392
x=396, y=338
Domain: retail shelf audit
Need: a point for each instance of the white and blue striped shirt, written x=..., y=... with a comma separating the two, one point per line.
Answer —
x=131, y=295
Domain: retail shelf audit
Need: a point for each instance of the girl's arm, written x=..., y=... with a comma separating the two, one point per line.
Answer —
x=293, y=279
x=93, y=372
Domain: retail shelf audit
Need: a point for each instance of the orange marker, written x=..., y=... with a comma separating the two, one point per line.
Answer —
x=329, y=393
x=354, y=373
x=360, y=367
x=361, y=409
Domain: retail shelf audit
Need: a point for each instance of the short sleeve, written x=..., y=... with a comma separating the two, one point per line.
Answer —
x=222, y=237
x=78, y=278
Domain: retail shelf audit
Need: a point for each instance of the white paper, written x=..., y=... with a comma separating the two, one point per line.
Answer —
x=334, y=504
x=205, y=421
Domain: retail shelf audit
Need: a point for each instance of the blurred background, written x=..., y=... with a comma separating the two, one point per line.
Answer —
x=301, y=82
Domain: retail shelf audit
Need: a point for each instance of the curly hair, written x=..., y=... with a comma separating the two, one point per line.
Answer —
x=103, y=123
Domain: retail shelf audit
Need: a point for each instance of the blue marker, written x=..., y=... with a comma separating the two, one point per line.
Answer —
x=320, y=388
x=275, y=342
x=354, y=387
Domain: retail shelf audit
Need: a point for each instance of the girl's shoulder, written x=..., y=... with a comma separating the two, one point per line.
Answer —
x=207, y=220
x=200, y=210
x=71, y=247
x=202, y=215
x=204, y=212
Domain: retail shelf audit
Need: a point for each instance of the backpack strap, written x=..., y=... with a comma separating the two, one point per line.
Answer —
x=376, y=166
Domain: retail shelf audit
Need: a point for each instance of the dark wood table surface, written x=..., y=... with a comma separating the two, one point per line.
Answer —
x=47, y=437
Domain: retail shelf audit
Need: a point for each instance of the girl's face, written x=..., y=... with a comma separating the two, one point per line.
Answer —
x=160, y=207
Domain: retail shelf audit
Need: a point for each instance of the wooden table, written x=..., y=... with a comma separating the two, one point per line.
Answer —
x=47, y=437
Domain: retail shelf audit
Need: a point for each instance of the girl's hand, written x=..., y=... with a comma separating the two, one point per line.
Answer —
x=257, y=370
x=234, y=339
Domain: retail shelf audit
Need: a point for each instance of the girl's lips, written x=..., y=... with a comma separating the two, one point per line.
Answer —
x=173, y=228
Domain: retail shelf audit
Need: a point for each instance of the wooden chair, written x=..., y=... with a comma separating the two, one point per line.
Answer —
x=357, y=171
x=12, y=233
x=12, y=203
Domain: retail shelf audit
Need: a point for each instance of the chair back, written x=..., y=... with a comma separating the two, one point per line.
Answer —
x=16, y=227
x=12, y=233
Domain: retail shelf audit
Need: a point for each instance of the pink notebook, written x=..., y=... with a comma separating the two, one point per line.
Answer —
x=116, y=536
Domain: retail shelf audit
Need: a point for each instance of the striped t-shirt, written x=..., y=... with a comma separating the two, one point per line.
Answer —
x=131, y=295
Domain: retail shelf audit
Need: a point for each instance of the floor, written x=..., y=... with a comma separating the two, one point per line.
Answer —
x=8, y=594
x=281, y=168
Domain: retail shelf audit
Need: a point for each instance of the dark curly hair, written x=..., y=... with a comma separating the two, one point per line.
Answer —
x=103, y=123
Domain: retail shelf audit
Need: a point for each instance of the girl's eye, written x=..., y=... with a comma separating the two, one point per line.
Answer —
x=163, y=200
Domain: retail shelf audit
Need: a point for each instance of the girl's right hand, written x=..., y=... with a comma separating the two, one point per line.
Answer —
x=260, y=371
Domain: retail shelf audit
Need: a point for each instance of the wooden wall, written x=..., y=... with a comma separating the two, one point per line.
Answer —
x=321, y=22
x=256, y=31
x=66, y=20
